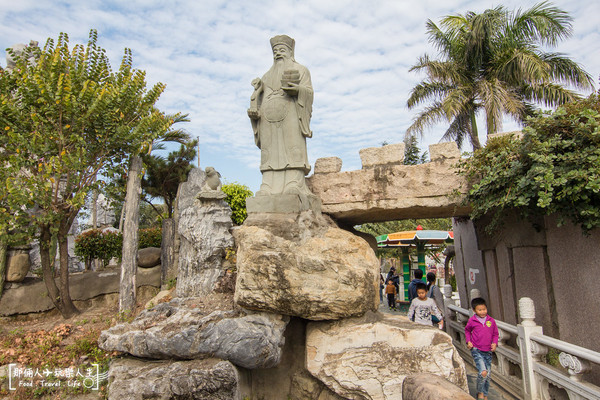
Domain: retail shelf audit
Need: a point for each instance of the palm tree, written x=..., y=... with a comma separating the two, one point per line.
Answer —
x=493, y=63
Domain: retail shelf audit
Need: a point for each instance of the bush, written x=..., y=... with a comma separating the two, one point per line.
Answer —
x=553, y=170
x=96, y=244
x=150, y=237
x=236, y=198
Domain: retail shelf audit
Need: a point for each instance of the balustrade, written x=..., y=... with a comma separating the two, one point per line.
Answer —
x=524, y=370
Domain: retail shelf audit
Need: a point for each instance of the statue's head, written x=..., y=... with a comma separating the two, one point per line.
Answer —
x=283, y=47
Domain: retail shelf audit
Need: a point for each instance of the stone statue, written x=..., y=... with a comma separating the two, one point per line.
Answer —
x=212, y=186
x=280, y=111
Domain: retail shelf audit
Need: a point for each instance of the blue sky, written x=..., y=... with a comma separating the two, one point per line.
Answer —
x=208, y=51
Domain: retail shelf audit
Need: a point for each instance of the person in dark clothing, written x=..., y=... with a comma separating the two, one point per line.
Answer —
x=412, y=288
x=395, y=278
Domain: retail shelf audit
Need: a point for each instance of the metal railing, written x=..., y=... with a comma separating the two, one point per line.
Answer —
x=527, y=363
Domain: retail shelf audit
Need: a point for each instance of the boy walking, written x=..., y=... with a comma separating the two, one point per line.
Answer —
x=390, y=290
x=481, y=335
x=422, y=308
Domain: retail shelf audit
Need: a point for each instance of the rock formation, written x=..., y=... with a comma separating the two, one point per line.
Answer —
x=369, y=357
x=303, y=265
x=197, y=379
x=204, y=225
x=181, y=329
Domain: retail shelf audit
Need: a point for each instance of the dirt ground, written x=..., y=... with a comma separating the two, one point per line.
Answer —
x=48, y=342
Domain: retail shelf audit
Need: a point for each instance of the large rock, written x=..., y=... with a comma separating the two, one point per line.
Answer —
x=197, y=379
x=369, y=357
x=431, y=387
x=190, y=329
x=203, y=226
x=17, y=264
x=148, y=257
x=302, y=265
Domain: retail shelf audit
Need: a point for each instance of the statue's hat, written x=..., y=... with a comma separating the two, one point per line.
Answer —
x=283, y=39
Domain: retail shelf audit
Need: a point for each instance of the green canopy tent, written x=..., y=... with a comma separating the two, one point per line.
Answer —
x=421, y=240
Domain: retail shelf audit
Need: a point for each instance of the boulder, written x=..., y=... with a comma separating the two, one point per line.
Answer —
x=197, y=379
x=148, y=257
x=191, y=328
x=203, y=228
x=369, y=357
x=431, y=387
x=17, y=265
x=302, y=265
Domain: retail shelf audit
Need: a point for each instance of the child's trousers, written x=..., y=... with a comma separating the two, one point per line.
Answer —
x=483, y=362
x=391, y=300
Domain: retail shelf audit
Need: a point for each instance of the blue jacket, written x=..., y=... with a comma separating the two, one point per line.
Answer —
x=412, y=289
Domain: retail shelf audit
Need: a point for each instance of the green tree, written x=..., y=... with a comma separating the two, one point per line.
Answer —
x=553, y=170
x=68, y=117
x=494, y=63
x=412, y=152
x=163, y=175
x=236, y=198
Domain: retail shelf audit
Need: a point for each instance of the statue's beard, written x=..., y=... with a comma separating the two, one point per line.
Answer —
x=277, y=70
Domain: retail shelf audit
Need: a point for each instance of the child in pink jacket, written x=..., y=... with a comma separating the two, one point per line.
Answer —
x=481, y=335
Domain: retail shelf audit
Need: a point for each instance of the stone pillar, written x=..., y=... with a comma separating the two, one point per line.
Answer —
x=421, y=258
x=167, y=265
x=529, y=350
x=406, y=270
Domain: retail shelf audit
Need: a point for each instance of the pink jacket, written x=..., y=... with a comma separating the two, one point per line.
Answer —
x=481, y=335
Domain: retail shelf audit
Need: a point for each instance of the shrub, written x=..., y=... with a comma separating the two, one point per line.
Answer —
x=236, y=198
x=553, y=169
x=96, y=244
x=150, y=237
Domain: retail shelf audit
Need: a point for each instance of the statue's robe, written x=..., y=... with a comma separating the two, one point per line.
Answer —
x=284, y=122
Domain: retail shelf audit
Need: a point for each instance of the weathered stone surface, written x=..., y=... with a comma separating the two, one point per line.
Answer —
x=203, y=227
x=384, y=192
x=182, y=329
x=31, y=295
x=328, y=165
x=388, y=154
x=17, y=265
x=431, y=387
x=299, y=265
x=369, y=357
x=148, y=257
x=441, y=151
x=197, y=379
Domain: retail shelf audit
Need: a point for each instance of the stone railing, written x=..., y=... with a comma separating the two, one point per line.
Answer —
x=527, y=363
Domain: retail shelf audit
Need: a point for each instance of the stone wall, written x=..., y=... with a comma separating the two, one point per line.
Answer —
x=385, y=189
x=30, y=296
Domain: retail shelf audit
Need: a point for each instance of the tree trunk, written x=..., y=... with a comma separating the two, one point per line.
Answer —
x=47, y=273
x=63, y=287
x=474, y=133
x=127, y=290
x=3, y=248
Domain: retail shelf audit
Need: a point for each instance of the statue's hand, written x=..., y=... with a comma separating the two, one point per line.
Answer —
x=253, y=113
x=256, y=83
x=291, y=89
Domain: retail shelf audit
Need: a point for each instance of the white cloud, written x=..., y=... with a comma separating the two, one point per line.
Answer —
x=207, y=53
